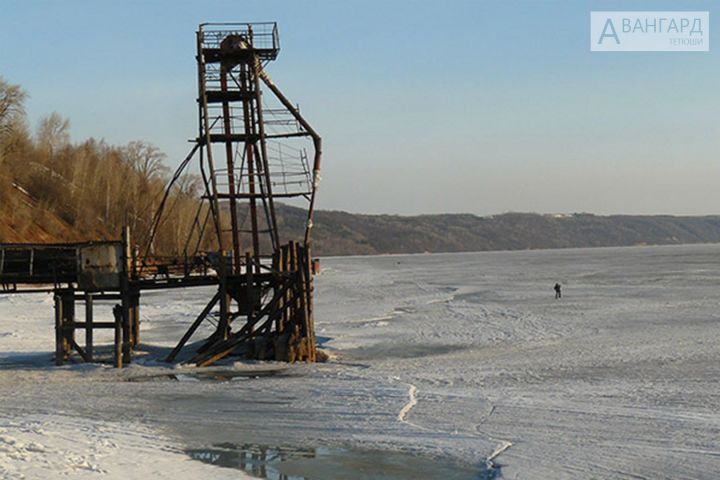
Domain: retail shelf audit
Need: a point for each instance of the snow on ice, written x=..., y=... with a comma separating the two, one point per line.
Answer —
x=463, y=360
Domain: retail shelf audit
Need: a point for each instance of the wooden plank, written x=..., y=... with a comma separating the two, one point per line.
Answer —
x=310, y=324
x=282, y=321
x=292, y=302
x=302, y=321
x=232, y=342
x=228, y=349
x=277, y=258
x=206, y=311
x=99, y=296
x=85, y=325
x=79, y=349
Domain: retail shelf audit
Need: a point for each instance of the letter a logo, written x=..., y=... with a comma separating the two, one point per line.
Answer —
x=604, y=34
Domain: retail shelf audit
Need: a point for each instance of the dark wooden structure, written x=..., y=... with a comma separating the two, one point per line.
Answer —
x=264, y=297
x=248, y=158
x=79, y=273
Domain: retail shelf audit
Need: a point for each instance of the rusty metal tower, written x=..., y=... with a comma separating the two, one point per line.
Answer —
x=247, y=165
x=252, y=151
x=250, y=157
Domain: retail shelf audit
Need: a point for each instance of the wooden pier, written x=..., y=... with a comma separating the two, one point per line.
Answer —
x=275, y=304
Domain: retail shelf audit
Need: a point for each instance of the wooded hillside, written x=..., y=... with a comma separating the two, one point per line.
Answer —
x=52, y=190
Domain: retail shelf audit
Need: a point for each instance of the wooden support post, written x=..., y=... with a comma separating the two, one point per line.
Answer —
x=309, y=319
x=250, y=287
x=224, y=322
x=117, y=357
x=59, y=333
x=292, y=268
x=137, y=318
x=89, y=326
x=126, y=301
x=277, y=264
x=302, y=322
x=282, y=321
x=126, y=343
x=311, y=308
x=68, y=311
x=79, y=349
x=134, y=318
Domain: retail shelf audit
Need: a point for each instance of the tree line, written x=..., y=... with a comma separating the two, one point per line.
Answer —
x=54, y=190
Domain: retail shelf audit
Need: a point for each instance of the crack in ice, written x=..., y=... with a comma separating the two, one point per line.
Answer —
x=412, y=401
x=504, y=445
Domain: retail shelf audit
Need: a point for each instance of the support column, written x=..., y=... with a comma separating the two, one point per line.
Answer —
x=125, y=325
x=135, y=318
x=117, y=351
x=225, y=302
x=89, y=326
x=126, y=296
x=250, y=289
x=68, y=327
x=59, y=334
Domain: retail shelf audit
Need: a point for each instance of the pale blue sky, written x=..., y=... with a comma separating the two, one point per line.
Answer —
x=425, y=107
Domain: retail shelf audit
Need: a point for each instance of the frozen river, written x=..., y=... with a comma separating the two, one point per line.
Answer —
x=444, y=366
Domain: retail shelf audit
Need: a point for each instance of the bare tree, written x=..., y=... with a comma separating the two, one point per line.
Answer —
x=12, y=116
x=53, y=132
x=12, y=99
x=146, y=159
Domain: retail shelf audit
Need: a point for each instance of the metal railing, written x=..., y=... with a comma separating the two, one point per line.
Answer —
x=38, y=263
x=262, y=36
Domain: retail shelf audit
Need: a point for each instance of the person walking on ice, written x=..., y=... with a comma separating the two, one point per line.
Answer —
x=558, y=292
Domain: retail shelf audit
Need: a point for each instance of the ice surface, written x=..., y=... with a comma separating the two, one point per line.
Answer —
x=464, y=357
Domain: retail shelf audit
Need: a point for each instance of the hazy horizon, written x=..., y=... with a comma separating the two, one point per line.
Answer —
x=467, y=107
x=519, y=212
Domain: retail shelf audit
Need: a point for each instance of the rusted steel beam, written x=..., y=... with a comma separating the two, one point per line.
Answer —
x=250, y=160
x=204, y=127
x=224, y=196
x=224, y=96
x=242, y=137
x=255, y=74
x=317, y=143
x=230, y=161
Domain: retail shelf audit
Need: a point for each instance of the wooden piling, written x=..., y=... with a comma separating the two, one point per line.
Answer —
x=134, y=318
x=68, y=313
x=89, y=326
x=59, y=334
x=125, y=325
x=118, y=351
x=250, y=287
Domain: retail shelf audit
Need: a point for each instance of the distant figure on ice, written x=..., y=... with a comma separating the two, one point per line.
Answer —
x=558, y=293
